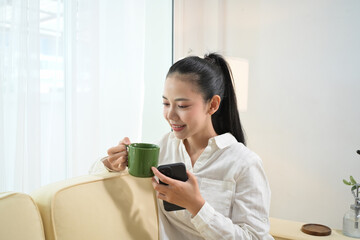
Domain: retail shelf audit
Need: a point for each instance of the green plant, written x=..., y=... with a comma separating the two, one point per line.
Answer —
x=351, y=183
x=354, y=185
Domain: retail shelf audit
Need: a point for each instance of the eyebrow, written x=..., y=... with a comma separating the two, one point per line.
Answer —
x=178, y=99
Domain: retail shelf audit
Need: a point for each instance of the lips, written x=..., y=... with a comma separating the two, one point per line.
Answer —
x=177, y=127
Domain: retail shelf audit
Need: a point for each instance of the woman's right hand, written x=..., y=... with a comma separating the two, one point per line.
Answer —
x=117, y=156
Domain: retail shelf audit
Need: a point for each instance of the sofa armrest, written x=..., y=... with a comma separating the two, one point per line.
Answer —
x=19, y=217
x=104, y=206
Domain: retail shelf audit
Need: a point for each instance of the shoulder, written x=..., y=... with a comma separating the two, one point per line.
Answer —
x=244, y=153
x=237, y=154
x=230, y=146
x=247, y=163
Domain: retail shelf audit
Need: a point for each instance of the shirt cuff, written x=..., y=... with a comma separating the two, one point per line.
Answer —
x=203, y=217
x=99, y=167
x=102, y=161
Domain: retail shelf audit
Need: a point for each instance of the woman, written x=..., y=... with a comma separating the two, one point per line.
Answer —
x=227, y=195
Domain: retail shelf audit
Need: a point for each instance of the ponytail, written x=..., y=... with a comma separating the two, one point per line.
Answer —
x=227, y=118
x=213, y=76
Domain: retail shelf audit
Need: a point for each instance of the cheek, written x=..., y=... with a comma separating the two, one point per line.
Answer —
x=190, y=116
x=165, y=113
x=197, y=117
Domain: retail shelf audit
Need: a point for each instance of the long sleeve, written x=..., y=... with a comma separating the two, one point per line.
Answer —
x=98, y=167
x=249, y=214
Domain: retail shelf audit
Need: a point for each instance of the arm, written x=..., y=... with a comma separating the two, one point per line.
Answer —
x=98, y=167
x=184, y=194
x=249, y=215
x=116, y=161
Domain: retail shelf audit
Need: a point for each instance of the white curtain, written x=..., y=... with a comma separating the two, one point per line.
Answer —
x=20, y=96
x=71, y=85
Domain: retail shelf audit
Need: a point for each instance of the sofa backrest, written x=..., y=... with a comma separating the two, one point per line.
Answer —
x=105, y=206
x=19, y=217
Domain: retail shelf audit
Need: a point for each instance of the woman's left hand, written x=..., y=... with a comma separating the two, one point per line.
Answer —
x=184, y=194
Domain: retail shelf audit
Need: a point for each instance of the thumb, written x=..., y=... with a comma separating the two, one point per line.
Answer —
x=191, y=176
x=125, y=141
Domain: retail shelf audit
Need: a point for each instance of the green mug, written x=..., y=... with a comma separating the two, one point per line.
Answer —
x=141, y=157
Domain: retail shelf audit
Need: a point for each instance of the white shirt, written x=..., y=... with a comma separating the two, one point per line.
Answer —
x=232, y=182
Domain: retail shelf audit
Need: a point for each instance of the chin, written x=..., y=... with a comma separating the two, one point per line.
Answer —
x=179, y=135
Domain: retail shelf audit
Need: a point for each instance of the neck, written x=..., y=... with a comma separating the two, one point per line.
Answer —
x=195, y=145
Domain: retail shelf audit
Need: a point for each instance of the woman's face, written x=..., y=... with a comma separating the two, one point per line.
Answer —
x=185, y=109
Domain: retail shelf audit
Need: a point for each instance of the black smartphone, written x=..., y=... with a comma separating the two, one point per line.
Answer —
x=176, y=171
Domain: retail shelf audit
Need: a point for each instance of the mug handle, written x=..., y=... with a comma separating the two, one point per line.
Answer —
x=127, y=150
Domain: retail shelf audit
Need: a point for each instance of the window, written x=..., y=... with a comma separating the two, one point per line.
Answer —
x=73, y=79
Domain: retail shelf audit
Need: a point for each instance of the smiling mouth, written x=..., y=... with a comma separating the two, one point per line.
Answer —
x=177, y=128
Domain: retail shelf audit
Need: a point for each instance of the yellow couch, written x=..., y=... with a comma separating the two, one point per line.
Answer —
x=105, y=206
x=19, y=218
x=109, y=206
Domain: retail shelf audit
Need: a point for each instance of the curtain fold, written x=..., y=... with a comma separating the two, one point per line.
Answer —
x=20, y=82
x=71, y=82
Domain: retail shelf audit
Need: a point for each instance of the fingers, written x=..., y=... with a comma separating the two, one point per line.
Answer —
x=125, y=141
x=117, y=156
x=185, y=194
x=120, y=147
x=119, y=163
x=117, y=149
x=154, y=182
x=161, y=196
x=115, y=165
x=162, y=177
x=191, y=176
x=167, y=192
x=159, y=188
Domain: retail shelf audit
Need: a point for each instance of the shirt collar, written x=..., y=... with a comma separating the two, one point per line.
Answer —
x=223, y=140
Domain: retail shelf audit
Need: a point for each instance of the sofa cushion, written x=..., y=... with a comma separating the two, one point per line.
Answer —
x=19, y=217
x=105, y=206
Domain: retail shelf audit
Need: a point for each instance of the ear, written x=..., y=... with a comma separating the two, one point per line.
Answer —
x=214, y=104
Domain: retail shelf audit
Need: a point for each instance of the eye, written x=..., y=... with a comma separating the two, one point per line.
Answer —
x=182, y=106
x=166, y=104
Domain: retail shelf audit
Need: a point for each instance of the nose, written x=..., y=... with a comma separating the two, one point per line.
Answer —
x=172, y=114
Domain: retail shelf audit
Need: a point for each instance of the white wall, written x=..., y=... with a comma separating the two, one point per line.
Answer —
x=303, y=115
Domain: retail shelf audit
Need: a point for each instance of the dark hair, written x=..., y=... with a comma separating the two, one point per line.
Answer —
x=212, y=75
